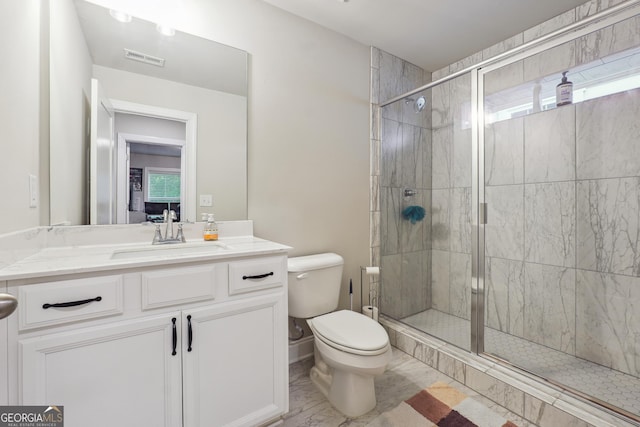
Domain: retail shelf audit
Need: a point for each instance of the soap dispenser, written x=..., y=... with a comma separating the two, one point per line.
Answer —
x=210, y=229
x=564, y=91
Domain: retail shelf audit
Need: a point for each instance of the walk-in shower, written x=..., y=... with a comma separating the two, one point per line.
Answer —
x=529, y=252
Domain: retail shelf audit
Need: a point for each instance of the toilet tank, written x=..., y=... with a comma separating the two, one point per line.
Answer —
x=314, y=284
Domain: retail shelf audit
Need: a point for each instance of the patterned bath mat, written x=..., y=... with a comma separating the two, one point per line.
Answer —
x=440, y=405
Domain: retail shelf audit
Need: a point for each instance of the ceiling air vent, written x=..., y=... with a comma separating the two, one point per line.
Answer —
x=143, y=57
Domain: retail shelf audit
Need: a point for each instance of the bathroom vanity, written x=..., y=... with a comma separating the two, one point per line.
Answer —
x=190, y=334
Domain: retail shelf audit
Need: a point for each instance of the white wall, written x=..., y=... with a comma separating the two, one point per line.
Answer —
x=20, y=114
x=151, y=160
x=149, y=126
x=308, y=128
x=70, y=86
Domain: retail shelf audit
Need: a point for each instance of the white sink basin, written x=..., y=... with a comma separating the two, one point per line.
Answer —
x=171, y=250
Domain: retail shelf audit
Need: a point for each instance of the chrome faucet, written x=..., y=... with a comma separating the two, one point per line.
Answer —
x=168, y=218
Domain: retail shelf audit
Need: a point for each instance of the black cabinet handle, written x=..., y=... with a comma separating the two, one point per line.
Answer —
x=175, y=337
x=72, y=303
x=190, y=330
x=259, y=276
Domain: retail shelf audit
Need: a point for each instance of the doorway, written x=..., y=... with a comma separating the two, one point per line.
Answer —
x=150, y=174
x=153, y=131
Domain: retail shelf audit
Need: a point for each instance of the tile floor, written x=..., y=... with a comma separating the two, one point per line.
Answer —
x=404, y=377
x=603, y=383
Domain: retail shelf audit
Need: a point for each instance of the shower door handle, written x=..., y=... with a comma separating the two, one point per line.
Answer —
x=483, y=213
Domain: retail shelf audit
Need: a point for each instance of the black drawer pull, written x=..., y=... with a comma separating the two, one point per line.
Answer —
x=72, y=303
x=259, y=276
x=190, y=331
x=175, y=337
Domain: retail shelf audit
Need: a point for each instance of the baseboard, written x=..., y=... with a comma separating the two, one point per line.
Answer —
x=300, y=349
x=272, y=423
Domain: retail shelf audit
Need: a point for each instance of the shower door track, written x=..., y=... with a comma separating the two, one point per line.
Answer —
x=614, y=410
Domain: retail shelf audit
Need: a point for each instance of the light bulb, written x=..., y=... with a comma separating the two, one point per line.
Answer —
x=120, y=16
x=165, y=30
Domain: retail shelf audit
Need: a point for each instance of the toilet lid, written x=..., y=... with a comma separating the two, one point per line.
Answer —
x=350, y=330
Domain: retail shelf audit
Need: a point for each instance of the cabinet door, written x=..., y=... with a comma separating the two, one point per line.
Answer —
x=121, y=374
x=236, y=372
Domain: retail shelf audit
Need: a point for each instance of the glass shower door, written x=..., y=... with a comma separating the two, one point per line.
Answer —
x=562, y=238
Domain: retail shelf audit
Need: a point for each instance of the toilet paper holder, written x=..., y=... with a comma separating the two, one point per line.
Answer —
x=371, y=309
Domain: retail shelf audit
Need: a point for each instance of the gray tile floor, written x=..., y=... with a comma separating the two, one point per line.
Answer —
x=405, y=376
x=603, y=383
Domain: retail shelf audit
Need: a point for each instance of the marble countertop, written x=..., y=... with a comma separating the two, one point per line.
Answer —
x=86, y=259
x=78, y=255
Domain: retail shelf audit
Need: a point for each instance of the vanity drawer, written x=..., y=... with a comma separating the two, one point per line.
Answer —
x=172, y=286
x=255, y=274
x=55, y=303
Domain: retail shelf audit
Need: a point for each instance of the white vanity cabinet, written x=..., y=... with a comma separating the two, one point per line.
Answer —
x=194, y=345
x=115, y=374
x=233, y=373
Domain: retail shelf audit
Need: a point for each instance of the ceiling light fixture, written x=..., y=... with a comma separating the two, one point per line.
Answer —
x=120, y=16
x=166, y=30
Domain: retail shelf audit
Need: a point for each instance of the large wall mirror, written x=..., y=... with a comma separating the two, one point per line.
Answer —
x=142, y=118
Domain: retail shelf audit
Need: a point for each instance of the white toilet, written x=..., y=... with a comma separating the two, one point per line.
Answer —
x=350, y=348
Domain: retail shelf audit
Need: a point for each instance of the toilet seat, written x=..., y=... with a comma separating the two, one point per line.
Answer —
x=350, y=332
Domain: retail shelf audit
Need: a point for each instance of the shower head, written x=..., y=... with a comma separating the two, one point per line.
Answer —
x=418, y=104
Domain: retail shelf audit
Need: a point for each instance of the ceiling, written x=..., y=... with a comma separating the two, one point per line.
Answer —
x=428, y=33
x=187, y=59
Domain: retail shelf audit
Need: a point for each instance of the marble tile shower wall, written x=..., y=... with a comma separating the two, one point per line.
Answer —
x=401, y=156
x=563, y=239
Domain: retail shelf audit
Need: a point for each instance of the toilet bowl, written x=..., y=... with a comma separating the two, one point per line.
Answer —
x=350, y=348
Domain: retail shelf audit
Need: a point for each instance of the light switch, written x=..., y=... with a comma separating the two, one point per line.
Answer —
x=206, y=200
x=33, y=191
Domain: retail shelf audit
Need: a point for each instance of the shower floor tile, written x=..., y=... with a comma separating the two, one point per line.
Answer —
x=605, y=384
x=451, y=329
